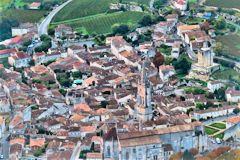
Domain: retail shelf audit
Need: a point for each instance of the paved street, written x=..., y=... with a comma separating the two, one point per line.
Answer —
x=5, y=146
x=42, y=29
x=213, y=120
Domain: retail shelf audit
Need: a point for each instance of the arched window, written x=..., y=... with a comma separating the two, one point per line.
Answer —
x=108, y=151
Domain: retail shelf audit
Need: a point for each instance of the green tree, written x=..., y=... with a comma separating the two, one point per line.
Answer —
x=120, y=29
x=221, y=24
x=182, y=65
x=236, y=110
x=146, y=20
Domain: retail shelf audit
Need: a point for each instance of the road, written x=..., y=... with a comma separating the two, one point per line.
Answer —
x=222, y=118
x=5, y=145
x=43, y=27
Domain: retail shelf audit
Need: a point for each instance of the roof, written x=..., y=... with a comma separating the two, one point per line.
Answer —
x=88, y=128
x=110, y=135
x=17, y=141
x=35, y=5
x=40, y=142
x=15, y=40
x=139, y=141
x=173, y=129
x=215, y=109
x=8, y=51
x=16, y=120
x=166, y=68
x=185, y=27
x=22, y=55
x=82, y=107
x=233, y=92
x=234, y=120
x=94, y=155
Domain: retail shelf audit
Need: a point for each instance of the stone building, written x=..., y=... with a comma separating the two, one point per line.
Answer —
x=143, y=108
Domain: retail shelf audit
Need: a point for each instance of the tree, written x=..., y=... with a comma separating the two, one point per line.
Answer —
x=32, y=63
x=236, y=110
x=158, y=59
x=219, y=48
x=220, y=23
x=182, y=65
x=187, y=155
x=220, y=93
x=51, y=31
x=120, y=29
x=200, y=106
x=146, y=20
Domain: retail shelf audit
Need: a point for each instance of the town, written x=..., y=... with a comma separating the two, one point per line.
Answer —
x=164, y=86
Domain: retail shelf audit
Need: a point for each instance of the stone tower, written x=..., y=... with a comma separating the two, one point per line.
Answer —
x=205, y=56
x=143, y=107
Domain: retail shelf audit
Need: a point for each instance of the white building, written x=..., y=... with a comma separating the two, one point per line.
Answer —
x=166, y=71
x=19, y=59
x=181, y=5
x=232, y=95
x=214, y=85
x=213, y=112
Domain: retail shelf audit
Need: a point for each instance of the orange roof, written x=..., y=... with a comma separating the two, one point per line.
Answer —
x=234, y=120
x=16, y=39
x=185, y=27
x=82, y=107
x=40, y=142
x=88, y=128
x=39, y=69
x=126, y=53
x=94, y=155
x=76, y=117
x=17, y=141
x=16, y=120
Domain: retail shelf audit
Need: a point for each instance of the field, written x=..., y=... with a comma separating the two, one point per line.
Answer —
x=210, y=131
x=226, y=74
x=232, y=42
x=145, y=2
x=25, y=15
x=82, y=8
x=219, y=125
x=4, y=3
x=102, y=23
x=223, y=3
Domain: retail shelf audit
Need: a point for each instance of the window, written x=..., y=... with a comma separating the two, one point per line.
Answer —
x=155, y=157
x=134, y=150
x=108, y=151
x=127, y=155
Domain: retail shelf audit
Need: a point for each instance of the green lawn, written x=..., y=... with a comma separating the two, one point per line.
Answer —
x=4, y=3
x=83, y=8
x=25, y=15
x=102, y=23
x=226, y=74
x=232, y=42
x=210, y=131
x=219, y=125
x=145, y=2
x=223, y=3
x=220, y=136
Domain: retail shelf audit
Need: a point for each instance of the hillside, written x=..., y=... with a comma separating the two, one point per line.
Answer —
x=102, y=23
x=94, y=16
x=82, y=8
